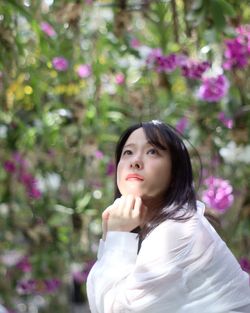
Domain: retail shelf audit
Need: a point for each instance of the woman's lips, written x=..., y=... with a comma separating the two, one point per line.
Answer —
x=134, y=177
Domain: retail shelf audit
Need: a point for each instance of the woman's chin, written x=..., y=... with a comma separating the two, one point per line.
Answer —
x=134, y=193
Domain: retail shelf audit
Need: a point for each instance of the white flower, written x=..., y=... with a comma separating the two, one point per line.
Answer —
x=2, y=309
x=51, y=181
x=233, y=153
x=3, y=131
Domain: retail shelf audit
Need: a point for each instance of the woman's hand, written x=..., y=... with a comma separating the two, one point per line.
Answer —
x=125, y=214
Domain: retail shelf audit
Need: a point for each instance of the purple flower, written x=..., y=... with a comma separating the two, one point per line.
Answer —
x=166, y=63
x=237, y=50
x=9, y=166
x=245, y=264
x=182, y=124
x=30, y=183
x=244, y=33
x=110, y=169
x=219, y=194
x=226, y=121
x=27, y=179
x=34, y=193
x=236, y=54
x=24, y=265
x=48, y=29
x=84, y=70
x=26, y=287
x=81, y=276
x=119, y=78
x=19, y=160
x=60, y=64
x=193, y=69
x=51, y=285
x=213, y=88
x=153, y=55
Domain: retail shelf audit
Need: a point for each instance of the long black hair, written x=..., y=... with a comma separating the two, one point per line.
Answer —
x=180, y=197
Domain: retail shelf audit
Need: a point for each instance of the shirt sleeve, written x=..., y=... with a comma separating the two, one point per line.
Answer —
x=152, y=281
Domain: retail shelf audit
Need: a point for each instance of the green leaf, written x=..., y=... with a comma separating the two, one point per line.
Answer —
x=226, y=7
x=21, y=9
x=197, y=4
x=83, y=202
x=217, y=15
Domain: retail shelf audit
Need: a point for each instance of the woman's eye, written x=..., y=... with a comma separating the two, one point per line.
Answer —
x=127, y=152
x=152, y=151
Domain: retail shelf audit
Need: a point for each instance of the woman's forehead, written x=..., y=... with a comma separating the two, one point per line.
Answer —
x=136, y=136
x=147, y=137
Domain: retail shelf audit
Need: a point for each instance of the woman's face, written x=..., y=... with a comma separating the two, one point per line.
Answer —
x=143, y=170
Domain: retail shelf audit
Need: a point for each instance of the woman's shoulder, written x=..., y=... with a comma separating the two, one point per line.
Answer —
x=183, y=229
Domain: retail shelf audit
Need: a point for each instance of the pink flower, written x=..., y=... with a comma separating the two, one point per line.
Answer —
x=84, y=70
x=213, y=88
x=24, y=265
x=226, y=121
x=99, y=154
x=134, y=43
x=219, y=194
x=60, y=64
x=182, y=124
x=245, y=264
x=48, y=29
x=119, y=78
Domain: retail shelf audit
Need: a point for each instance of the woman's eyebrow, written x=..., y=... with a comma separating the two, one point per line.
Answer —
x=134, y=144
x=128, y=145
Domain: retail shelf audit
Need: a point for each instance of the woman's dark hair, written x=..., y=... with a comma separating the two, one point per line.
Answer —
x=180, y=193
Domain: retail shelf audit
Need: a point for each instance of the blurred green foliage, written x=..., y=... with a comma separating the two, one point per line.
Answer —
x=59, y=127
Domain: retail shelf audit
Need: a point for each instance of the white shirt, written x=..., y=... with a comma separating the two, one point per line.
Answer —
x=182, y=267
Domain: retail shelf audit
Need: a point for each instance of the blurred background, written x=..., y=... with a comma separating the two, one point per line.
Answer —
x=73, y=75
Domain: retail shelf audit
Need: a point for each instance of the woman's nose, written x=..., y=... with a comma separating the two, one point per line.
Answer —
x=136, y=163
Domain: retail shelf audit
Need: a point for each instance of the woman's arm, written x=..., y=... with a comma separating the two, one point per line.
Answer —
x=121, y=281
x=115, y=261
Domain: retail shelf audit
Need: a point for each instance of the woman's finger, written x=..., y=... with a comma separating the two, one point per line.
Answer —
x=105, y=214
x=105, y=217
x=137, y=207
x=120, y=206
x=129, y=205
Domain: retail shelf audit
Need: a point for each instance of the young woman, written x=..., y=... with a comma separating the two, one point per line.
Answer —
x=177, y=263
